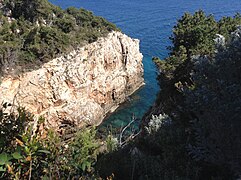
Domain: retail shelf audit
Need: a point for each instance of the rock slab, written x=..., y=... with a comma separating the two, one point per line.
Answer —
x=82, y=86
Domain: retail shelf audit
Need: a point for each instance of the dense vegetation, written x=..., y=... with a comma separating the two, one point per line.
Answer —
x=29, y=150
x=193, y=131
x=195, y=35
x=199, y=137
x=34, y=31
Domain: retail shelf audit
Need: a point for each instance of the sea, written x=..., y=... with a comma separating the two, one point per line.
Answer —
x=150, y=21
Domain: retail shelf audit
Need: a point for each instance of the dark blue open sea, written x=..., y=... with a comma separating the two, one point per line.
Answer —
x=151, y=21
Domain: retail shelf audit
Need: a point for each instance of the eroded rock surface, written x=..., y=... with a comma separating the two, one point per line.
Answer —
x=81, y=86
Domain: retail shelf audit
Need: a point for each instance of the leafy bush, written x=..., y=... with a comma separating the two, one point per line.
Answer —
x=21, y=153
x=111, y=143
x=156, y=122
x=72, y=157
x=11, y=125
x=84, y=150
x=29, y=150
x=216, y=113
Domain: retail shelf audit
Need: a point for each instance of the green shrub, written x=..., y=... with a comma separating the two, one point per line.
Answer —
x=84, y=150
x=194, y=35
x=44, y=31
x=21, y=153
x=72, y=157
x=29, y=150
x=111, y=143
x=200, y=84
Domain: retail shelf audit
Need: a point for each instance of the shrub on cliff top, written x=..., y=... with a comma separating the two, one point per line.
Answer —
x=42, y=31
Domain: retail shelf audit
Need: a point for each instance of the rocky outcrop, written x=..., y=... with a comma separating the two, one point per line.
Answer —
x=81, y=86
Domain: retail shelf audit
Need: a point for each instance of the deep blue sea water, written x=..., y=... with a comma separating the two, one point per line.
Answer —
x=151, y=21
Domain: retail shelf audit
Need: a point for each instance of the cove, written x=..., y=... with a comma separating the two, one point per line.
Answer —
x=151, y=22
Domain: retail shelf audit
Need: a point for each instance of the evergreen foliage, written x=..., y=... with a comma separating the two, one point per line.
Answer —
x=194, y=35
x=199, y=92
x=193, y=130
x=33, y=35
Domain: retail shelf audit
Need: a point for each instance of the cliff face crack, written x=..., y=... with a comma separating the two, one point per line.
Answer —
x=124, y=51
x=113, y=94
x=50, y=86
x=85, y=84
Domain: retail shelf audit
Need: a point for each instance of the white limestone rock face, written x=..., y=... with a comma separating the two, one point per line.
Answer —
x=82, y=86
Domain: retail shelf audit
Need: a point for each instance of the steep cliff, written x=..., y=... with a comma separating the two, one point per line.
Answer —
x=81, y=86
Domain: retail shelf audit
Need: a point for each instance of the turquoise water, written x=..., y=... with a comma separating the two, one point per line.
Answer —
x=151, y=21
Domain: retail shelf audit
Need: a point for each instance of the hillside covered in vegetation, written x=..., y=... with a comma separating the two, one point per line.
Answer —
x=34, y=31
x=193, y=130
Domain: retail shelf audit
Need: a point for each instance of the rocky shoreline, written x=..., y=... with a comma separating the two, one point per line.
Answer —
x=80, y=87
